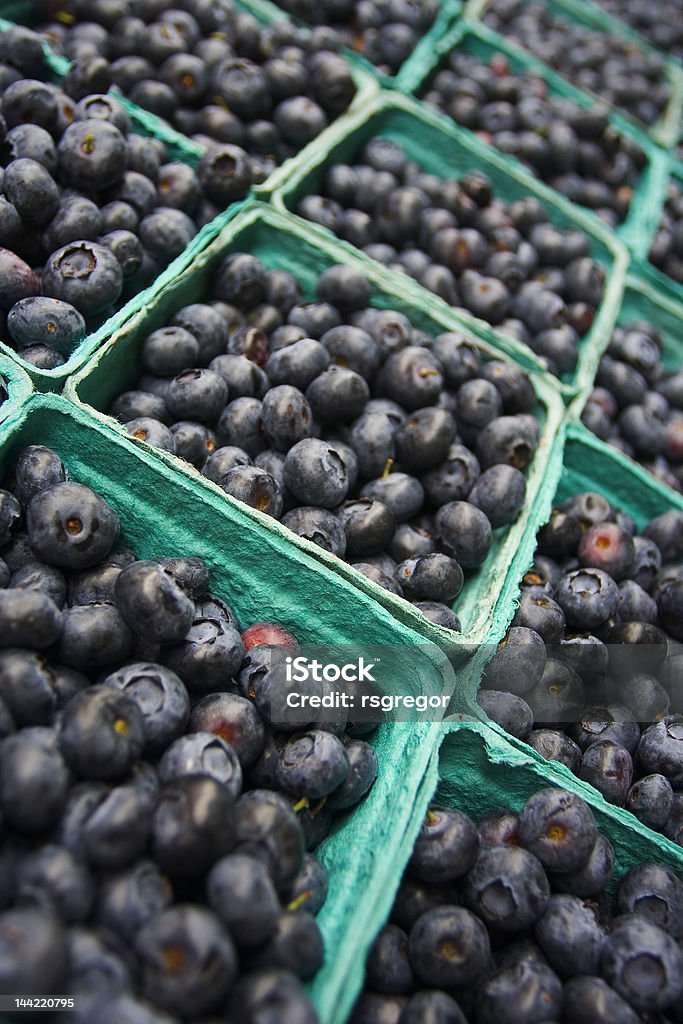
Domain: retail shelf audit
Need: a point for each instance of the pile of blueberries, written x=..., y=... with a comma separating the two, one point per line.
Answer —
x=660, y=23
x=89, y=211
x=399, y=452
x=570, y=147
x=213, y=71
x=511, y=921
x=157, y=823
x=505, y=263
x=637, y=406
x=666, y=252
x=384, y=31
x=591, y=671
x=619, y=71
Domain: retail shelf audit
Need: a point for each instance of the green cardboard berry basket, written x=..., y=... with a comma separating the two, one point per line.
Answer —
x=18, y=386
x=666, y=130
x=587, y=464
x=644, y=267
x=409, y=71
x=478, y=40
x=179, y=148
x=642, y=301
x=449, y=151
x=477, y=769
x=281, y=241
x=262, y=577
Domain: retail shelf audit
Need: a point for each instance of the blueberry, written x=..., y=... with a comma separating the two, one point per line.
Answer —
x=558, y=827
x=570, y=936
x=661, y=749
x=152, y=431
x=338, y=394
x=499, y=828
x=94, y=636
x=296, y=945
x=413, y=377
x=268, y=830
x=51, y=878
x=192, y=825
x=590, y=999
x=312, y=765
x=642, y=963
x=499, y=493
x=555, y=746
x=400, y=492
x=432, y=1007
x=153, y=605
x=434, y=577
x=375, y=1008
x=454, y=478
x=518, y=662
x=136, y=405
x=319, y=527
x=241, y=893
x=161, y=698
x=315, y=473
x=38, y=317
x=507, y=439
x=464, y=531
x=446, y=847
x=424, y=439
x=297, y=364
x=18, y=280
x=372, y=438
x=287, y=417
x=209, y=654
x=588, y=597
x=271, y=994
x=28, y=618
x=188, y=959
x=449, y=947
x=654, y=891
x=234, y=719
x=510, y=712
x=308, y=891
x=651, y=799
x=34, y=784
x=34, y=951
x=115, y=833
x=206, y=754
x=388, y=968
x=28, y=687
x=130, y=897
x=527, y=991
x=101, y=733
x=507, y=888
x=361, y=777
x=608, y=767
x=85, y=274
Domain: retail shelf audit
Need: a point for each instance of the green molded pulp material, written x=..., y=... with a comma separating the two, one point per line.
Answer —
x=18, y=387
x=444, y=149
x=478, y=40
x=477, y=769
x=262, y=577
x=480, y=769
x=592, y=465
x=667, y=129
x=285, y=242
x=410, y=71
